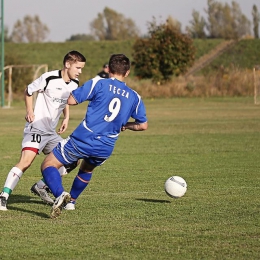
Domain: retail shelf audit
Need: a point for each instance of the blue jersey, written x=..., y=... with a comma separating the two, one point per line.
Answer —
x=112, y=104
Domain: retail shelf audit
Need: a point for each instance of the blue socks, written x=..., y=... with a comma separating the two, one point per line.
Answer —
x=80, y=183
x=53, y=180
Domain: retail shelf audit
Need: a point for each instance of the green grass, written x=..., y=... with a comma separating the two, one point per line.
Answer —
x=203, y=46
x=243, y=55
x=213, y=144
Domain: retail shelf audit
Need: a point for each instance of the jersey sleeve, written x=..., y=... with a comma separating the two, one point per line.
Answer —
x=139, y=114
x=86, y=91
x=37, y=85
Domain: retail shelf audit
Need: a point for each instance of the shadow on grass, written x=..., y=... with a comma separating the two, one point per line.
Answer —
x=155, y=201
x=23, y=199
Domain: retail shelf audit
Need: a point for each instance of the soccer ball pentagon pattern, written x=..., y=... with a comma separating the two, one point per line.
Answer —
x=175, y=187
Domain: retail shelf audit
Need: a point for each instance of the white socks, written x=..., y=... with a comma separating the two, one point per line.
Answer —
x=12, y=179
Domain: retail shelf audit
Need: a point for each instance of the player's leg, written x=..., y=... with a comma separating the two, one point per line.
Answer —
x=63, y=154
x=52, y=178
x=63, y=170
x=13, y=177
x=40, y=188
x=80, y=182
x=51, y=174
x=83, y=178
x=100, y=152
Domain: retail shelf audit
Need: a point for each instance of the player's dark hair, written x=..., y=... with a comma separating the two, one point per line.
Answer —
x=73, y=57
x=119, y=64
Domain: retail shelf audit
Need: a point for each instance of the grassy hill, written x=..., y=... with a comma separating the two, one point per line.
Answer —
x=243, y=55
x=205, y=46
x=97, y=53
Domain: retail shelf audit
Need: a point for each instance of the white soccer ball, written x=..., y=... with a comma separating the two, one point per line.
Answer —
x=175, y=187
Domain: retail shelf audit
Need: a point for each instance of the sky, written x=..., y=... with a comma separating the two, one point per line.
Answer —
x=65, y=18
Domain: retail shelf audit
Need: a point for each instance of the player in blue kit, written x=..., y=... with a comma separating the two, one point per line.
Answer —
x=112, y=104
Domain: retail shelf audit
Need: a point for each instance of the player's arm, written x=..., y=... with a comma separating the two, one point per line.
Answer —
x=65, y=121
x=134, y=126
x=35, y=86
x=84, y=93
x=139, y=114
x=72, y=101
x=28, y=99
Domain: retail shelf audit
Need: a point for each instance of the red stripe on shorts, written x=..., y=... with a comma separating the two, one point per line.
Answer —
x=31, y=149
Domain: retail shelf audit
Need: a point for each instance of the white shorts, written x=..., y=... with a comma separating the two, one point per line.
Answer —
x=44, y=142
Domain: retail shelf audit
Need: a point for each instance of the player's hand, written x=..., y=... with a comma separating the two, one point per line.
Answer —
x=123, y=128
x=29, y=117
x=63, y=127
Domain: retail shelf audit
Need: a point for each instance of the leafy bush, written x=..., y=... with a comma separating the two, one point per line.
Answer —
x=166, y=52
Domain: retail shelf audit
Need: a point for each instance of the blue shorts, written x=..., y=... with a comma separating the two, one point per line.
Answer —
x=67, y=153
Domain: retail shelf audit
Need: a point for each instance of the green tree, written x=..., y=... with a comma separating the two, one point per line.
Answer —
x=111, y=25
x=31, y=29
x=81, y=37
x=166, y=52
x=197, y=27
x=256, y=20
x=225, y=21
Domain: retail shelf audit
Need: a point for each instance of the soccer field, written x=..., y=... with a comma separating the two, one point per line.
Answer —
x=214, y=144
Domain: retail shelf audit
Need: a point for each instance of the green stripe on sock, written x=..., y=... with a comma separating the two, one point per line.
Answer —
x=7, y=190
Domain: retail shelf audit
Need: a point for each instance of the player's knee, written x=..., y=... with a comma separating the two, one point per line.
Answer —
x=86, y=166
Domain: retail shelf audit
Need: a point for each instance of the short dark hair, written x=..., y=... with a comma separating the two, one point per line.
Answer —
x=119, y=64
x=73, y=57
x=105, y=65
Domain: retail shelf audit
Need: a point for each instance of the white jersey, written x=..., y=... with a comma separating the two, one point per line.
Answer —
x=53, y=93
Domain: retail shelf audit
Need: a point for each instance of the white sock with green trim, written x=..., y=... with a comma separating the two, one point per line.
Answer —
x=12, y=179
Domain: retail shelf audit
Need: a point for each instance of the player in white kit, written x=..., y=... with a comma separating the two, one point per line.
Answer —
x=40, y=134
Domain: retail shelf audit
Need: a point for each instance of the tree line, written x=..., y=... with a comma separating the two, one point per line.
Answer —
x=222, y=21
x=165, y=51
